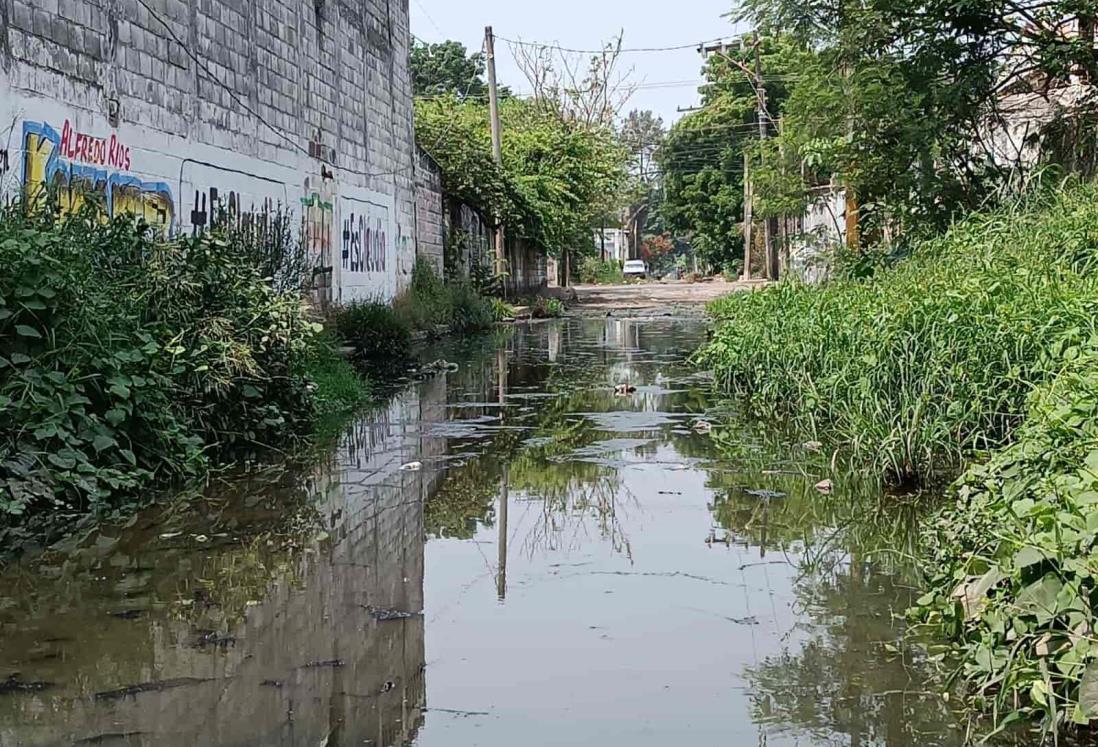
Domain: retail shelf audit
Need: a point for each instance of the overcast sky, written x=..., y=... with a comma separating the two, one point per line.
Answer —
x=668, y=80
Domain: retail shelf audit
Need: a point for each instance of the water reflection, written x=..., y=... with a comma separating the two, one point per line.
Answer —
x=573, y=564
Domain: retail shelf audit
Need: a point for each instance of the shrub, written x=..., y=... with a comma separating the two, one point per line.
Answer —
x=127, y=362
x=1014, y=582
x=501, y=310
x=595, y=271
x=919, y=367
x=548, y=308
x=379, y=335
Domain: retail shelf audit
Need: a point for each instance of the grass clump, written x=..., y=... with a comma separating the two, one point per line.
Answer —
x=338, y=388
x=548, y=308
x=432, y=306
x=917, y=368
x=379, y=335
x=382, y=334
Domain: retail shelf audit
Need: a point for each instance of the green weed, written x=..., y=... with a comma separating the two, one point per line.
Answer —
x=919, y=367
x=128, y=363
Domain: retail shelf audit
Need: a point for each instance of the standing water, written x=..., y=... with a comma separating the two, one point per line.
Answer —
x=549, y=546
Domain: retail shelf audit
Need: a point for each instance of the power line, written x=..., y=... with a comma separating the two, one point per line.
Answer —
x=429, y=19
x=290, y=140
x=633, y=50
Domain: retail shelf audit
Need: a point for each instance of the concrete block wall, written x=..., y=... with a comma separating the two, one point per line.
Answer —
x=430, y=228
x=169, y=107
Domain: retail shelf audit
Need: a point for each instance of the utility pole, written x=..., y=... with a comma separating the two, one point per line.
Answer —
x=747, y=217
x=760, y=90
x=497, y=144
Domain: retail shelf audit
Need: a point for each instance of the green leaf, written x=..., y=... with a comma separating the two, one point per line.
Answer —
x=62, y=461
x=103, y=442
x=1026, y=557
x=130, y=456
x=1039, y=598
x=250, y=391
x=120, y=391
x=20, y=359
x=1088, y=692
x=24, y=331
x=45, y=432
x=34, y=304
x=115, y=416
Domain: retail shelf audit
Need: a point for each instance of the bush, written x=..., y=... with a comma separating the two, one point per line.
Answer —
x=378, y=334
x=431, y=303
x=128, y=362
x=502, y=311
x=382, y=334
x=548, y=308
x=917, y=368
x=1014, y=587
x=598, y=272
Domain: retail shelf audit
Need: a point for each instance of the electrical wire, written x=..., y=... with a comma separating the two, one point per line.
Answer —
x=625, y=50
x=291, y=141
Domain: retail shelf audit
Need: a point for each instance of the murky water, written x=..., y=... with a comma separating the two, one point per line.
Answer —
x=570, y=564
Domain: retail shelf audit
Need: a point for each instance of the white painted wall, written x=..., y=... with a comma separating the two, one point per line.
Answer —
x=182, y=143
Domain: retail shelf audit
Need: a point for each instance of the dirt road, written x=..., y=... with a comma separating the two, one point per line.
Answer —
x=659, y=297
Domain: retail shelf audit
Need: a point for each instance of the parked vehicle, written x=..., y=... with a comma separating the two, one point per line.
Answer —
x=635, y=268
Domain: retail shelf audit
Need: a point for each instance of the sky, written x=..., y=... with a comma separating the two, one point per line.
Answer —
x=665, y=80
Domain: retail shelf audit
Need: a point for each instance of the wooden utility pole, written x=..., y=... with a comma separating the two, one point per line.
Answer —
x=747, y=216
x=497, y=143
x=760, y=91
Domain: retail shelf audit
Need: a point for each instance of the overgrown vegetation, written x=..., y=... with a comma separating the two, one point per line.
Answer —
x=129, y=362
x=559, y=171
x=1014, y=585
x=980, y=349
x=601, y=272
x=381, y=334
x=916, y=369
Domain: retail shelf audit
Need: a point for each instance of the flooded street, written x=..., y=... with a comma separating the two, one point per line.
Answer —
x=541, y=548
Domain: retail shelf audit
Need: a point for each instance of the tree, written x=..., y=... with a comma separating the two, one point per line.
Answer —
x=701, y=160
x=447, y=68
x=555, y=176
x=643, y=134
x=903, y=100
x=588, y=89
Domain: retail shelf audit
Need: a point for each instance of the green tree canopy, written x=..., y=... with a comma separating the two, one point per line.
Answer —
x=447, y=68
x=556, y=174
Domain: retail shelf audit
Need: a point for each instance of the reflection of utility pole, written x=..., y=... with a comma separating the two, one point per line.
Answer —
x=766, y=519
x=504, y=499
x=504, y=495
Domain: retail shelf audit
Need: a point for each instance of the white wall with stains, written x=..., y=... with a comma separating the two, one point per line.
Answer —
x=168, y=108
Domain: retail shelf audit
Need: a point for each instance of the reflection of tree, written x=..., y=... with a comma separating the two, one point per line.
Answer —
x=843, y=680
x=464, y=501
x=854, y=549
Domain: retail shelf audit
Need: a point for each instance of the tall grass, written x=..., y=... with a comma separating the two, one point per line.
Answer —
x=921, y=366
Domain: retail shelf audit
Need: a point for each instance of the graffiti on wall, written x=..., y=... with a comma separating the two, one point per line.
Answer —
x=212, y=192
x=365, y=234
x=317, y=226
x=78, y=165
